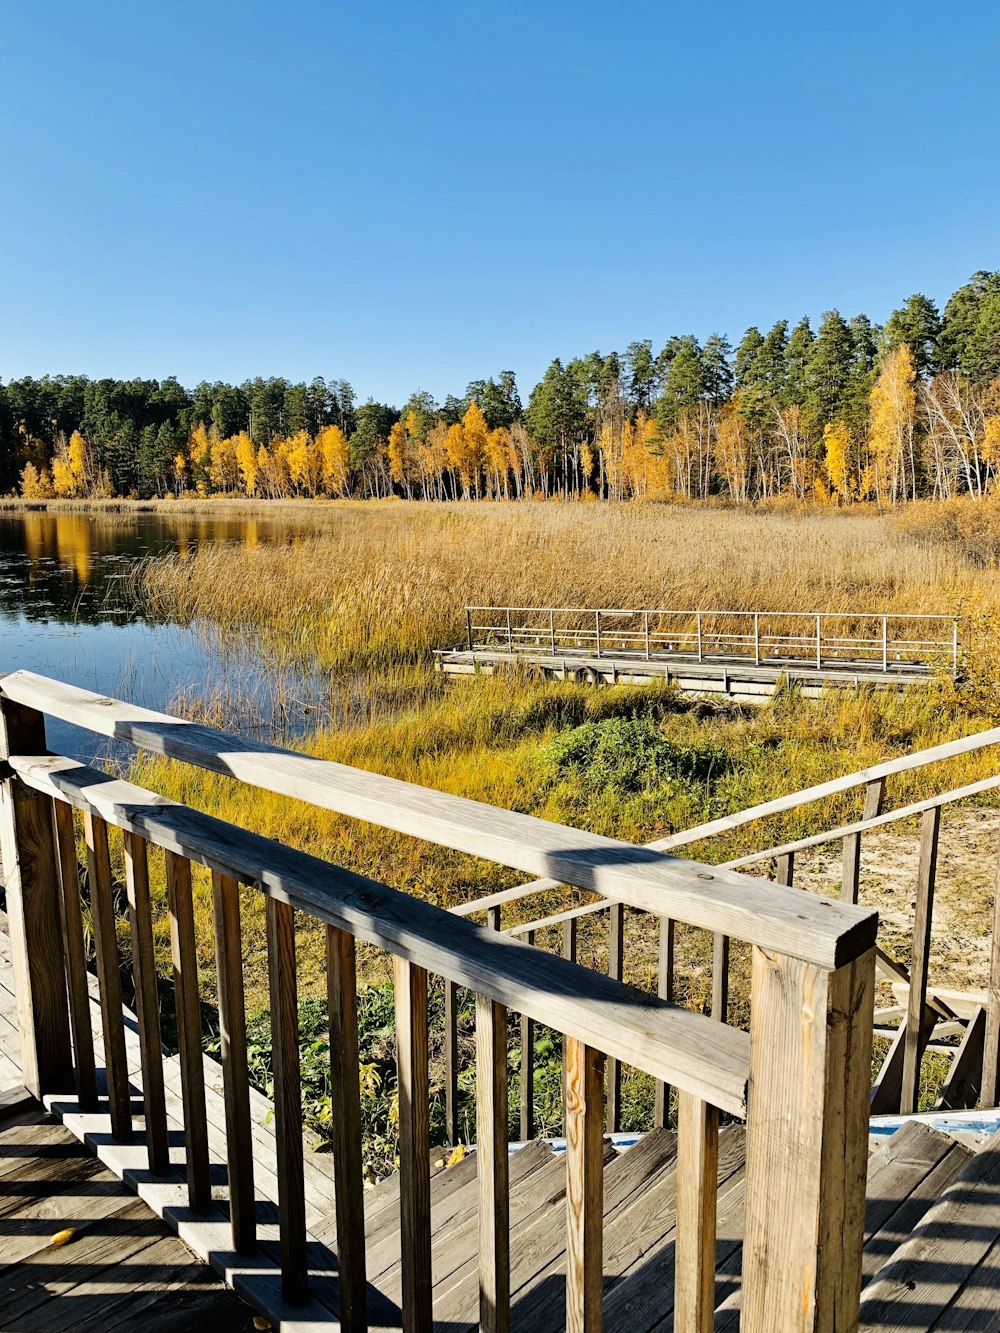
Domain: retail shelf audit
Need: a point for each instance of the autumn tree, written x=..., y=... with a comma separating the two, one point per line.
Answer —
x=890, y=431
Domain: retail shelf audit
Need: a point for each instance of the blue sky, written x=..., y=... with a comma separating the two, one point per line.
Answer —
x=415, y=195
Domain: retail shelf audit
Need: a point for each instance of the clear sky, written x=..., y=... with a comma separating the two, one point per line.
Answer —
x=413, y=195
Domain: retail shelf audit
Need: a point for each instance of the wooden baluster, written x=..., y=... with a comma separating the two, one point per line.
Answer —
x=784, y=872
x=665, y=990
x=283, y=992
x=569, y=951
x=616, y=964
x=810, y=1067
x=108, y=975
x=147, y=1008
x=235, y=1074
x=451, y=1061
x=414, y=1146
x=185, y=962
x=851, y=876
x=528, y=1069
x=720, y=978
x=914, y=1040
x=492, y=1175
x=75, y=951
x=990, y=1094
x=31, y=883
x=584, y=1187
x=697, y=1172
x=342, y=998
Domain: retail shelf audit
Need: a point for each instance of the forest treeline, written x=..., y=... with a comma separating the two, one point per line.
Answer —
x=847, y=411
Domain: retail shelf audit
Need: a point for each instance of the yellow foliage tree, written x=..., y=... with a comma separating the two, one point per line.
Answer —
x=246, y=461
x=476, y=435
x=332, y=444
x=890, y=428
x=837, y=461
x=35, y=484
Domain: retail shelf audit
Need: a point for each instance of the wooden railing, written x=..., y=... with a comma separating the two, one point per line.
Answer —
x=805, y=1061
x=925, y=1019
x=868, y=641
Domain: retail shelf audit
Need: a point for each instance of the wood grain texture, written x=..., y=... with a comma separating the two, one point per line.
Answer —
x=342, y=1000
x=670, y=1043
x=491, y=1152
x=913, y=1043
x=283, y=994
x=584, y=1188
x=414, y=1146
x=819, y=931
x=27, y=850
x=140, y=915
x=665, y=991
x=616, y=964
x=233, y=1055
x=75, y=953
x=528, y=1068
x=965, y=1077
x=807, y=1144
x=108, y=975
x=720, y=978
x=990, y=1094
x=850, y=880
x=184, y=956
x=452, y=1128
x=697, y=1170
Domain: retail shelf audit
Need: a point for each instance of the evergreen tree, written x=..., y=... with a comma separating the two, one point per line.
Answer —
x=916, y=325
x=797, y=357
x=827, y=372
x=716, y=371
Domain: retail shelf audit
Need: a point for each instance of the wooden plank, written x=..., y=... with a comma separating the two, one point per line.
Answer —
x=233, y=1055
x=528, y=1068
x=922, y=925
x=785, y=868
x=451, y=1061
x=74, y=951
x=414, y=1146
x=965, y=1077
x=491, y=1151
x=342, y=1003
x=616, y=963
x=184, y=956
x=818, y=931
x=807, y=1144
x=720, y=978
x=140, y=914
x=671, y=1043
x=108, y=974
x=850, y=879
x=27, y=851
x=584, y=1188
x=990, y=1094
x=697, y=1168
x=664, y=991
x=283, y=994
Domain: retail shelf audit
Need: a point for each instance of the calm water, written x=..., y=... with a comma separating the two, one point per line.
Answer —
x=65, y=612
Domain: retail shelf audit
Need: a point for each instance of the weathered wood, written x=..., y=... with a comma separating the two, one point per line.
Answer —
x=665, y=991
x=283, y=994
x=528, y=1068
x=922, y=924
x=233, y=1053
x=807, y=1144
x=451, y=1061
x=75, y=953
x=784, y=872
x=616, y=963
x=414, y=1145
x=716, y=900
x=850, y=880
x=670, y=1043
x=697, y=1169
x=584, y=1188
x=183, y=952
x=491, y=1151
x=32, y=887
x=108, y=974
x=342, y=999
x=720, y=978
x=990, y=1093
x=965, y=1077
x=140, y=914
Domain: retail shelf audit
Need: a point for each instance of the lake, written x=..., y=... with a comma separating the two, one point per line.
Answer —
x=66, y=610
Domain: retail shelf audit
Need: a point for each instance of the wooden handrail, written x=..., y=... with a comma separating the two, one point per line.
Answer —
x=816, y=930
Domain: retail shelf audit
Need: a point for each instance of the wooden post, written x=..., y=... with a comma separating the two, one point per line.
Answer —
x=616, y=963
x=785, y=869
x=645, y=631
x=569, y=951
x=349, y=1185
x=756, y=638
x=76, y=956
x=913, y=1047
x=451, y=1061
x=146, y=1002
x=807, y=1144
x=492, y=1174
x=552, y=631
x=108, y=975
x=597, y=625
x=414, y=1146
x=27, y=849
x=665, y=991
x=510, y=634
x=850, y=879
x=885, y=643
x=700, y=652
x=697, y=1174
x=528, y=1068
x=720, y=978
x=990, y=1092
x=819, y=644
x=584, y=1187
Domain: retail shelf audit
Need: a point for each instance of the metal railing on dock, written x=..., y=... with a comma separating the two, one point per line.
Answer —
x=821, y=639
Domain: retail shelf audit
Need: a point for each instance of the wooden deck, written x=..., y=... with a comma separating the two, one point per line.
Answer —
x=932, y=1251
